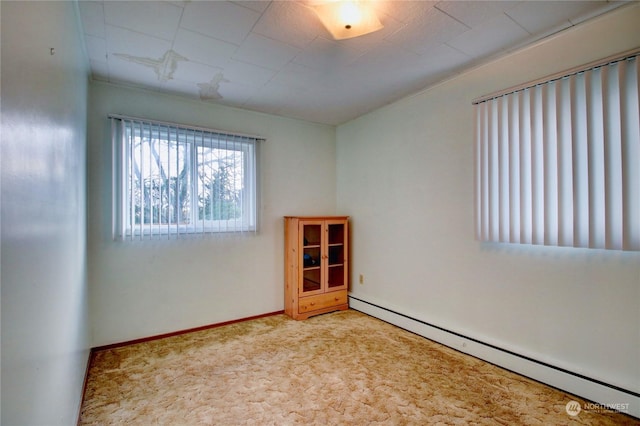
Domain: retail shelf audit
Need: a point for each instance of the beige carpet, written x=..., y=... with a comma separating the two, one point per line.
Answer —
x=343, y=368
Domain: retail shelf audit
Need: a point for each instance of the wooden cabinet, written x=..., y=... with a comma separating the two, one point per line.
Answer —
x=316, y=265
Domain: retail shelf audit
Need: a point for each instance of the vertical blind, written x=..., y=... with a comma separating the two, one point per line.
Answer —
x=171, y=179
x=558, y=163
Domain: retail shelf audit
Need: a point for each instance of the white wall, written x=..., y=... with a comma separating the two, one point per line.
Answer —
x=45, y=344
x=140, y=289
x=405, y=174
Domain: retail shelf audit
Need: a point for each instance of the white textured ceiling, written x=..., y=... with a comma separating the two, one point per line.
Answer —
x=276, y=57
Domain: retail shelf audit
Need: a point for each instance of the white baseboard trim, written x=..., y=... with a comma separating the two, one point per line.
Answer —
x=602, y=394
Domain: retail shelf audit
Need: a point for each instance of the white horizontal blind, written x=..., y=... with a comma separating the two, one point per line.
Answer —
x=171, y=180
x=559, y=163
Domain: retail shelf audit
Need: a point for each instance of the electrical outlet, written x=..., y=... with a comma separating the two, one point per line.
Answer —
x=361, y=279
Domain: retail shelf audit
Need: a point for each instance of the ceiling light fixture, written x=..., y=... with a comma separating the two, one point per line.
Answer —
x=347, y=18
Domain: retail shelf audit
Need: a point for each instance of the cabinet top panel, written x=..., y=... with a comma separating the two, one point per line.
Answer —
x=317, y=217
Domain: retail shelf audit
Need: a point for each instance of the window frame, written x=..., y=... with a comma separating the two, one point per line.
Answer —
x=193, y=139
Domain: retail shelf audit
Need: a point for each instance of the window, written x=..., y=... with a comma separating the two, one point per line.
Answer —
x=172, y=180
x=558, y=161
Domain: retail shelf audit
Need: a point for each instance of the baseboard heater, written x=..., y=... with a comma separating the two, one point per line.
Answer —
x=604, y=395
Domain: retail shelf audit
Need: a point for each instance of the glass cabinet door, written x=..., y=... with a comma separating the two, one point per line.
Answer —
x=311, y=258
x=324, y=256
x=336, y=255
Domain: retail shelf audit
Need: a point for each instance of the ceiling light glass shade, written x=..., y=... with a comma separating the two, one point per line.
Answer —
x=347, y=19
